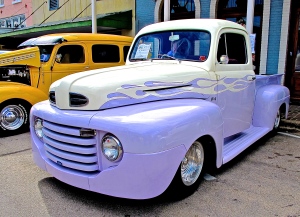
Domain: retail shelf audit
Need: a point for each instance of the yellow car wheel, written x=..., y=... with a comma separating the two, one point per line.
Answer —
x=14, y=117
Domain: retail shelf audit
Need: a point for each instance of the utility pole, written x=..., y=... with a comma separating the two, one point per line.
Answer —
x=94, y=17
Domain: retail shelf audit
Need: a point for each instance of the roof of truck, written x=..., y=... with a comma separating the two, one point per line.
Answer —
x=190, y=24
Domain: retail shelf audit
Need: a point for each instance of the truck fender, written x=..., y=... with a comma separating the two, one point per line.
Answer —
x=162, y=125
x=268, y=101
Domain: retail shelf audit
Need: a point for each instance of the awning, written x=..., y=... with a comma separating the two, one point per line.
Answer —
x=107, y=22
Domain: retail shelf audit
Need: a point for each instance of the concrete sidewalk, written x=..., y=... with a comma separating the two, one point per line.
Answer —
x=292, y=123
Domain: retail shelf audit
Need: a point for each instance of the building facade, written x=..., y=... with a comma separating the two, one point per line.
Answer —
x=13, y=14
x=273, y=23
x=54, y=16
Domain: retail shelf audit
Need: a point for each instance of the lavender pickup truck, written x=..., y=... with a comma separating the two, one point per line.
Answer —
x=186, y=101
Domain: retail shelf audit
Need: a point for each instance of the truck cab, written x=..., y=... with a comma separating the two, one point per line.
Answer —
x=27, y=73
x=186, y=101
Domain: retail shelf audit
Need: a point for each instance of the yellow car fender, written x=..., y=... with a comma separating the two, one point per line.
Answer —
x=12, y=90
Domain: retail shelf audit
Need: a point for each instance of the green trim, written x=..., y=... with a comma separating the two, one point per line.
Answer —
x=122, y=20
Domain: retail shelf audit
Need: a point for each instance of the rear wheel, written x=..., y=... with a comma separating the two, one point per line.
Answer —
x=14, y=117
x=277, y=121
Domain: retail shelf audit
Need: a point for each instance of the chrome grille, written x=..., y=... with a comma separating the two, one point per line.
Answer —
x=65, y=147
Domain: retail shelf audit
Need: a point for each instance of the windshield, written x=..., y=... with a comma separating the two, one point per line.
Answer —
x=185, y=45
x=45, y=51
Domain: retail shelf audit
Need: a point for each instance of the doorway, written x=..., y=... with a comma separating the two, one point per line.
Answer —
x=292, y=80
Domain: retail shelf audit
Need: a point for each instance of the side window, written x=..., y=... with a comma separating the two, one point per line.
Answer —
x=70, y=54
x=234, y=47
x=105, y=53
x=125, y=52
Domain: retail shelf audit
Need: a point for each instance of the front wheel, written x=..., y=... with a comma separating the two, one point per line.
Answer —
x=189, y=173
x=14, y=118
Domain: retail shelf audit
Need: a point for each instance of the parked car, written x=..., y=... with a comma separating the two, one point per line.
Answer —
x=26, y=74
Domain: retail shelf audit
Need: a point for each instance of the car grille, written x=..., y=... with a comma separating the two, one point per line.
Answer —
x=70, y=150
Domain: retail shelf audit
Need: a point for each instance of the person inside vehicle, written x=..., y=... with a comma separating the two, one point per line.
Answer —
x=180, y=49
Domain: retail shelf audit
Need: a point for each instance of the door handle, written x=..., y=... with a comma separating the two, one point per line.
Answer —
x=87, y=67
x=251, y=78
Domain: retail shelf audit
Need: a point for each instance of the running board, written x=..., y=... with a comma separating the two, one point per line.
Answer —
x=234, y=145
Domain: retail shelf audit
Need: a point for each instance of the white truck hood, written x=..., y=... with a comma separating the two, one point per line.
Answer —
x=130, y=84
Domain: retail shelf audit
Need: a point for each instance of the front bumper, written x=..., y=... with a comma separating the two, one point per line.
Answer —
x=138, y=176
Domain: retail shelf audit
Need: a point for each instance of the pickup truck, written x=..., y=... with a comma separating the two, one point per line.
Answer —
x=26, y=73
x=187, y=101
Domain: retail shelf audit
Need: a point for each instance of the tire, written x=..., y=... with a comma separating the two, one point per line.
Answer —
x=14, y=117
x=189, y=173
x=277, y=122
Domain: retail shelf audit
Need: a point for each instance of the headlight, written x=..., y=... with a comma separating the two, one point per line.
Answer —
x=38, y=127
x=112, y=148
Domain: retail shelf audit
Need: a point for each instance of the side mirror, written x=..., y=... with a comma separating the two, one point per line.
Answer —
x=58, y=58
x=224, y=59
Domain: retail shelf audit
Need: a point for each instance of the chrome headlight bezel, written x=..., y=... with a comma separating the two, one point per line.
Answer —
x=111, y=148
x=38, y=128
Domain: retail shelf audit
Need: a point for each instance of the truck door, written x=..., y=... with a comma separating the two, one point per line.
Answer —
x=69, y=59
x=236, y=86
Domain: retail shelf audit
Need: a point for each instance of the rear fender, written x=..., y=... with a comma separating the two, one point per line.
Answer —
x=267, y=102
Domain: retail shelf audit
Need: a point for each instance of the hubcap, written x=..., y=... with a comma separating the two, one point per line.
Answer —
x=192, y=164
x=277, y=120
x=12, y=117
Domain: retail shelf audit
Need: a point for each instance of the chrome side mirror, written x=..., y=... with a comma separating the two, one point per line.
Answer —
x=224, y=59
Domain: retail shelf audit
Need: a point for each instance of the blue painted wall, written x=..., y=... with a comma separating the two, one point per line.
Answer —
x=274, y=36
x=144, y=13
x=205, y=8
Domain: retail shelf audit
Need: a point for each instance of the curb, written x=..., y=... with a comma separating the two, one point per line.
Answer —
x=290, y=123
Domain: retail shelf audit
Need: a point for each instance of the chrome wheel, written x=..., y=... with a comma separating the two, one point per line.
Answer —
x=277, y=120
x=12, y=117
x=192, y=164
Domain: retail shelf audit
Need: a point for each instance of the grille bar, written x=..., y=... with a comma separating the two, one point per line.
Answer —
x=72, y=165
x=69, y=139
x=72, y=157
x=59, y=128
x=70, y=148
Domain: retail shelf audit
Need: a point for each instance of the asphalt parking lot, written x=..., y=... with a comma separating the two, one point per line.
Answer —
x=263, y=181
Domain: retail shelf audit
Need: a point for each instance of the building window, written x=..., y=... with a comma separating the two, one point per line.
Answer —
x=181, y=9
x=53, y=5
x=105, y=53
x=1, y=3
x=16, y=1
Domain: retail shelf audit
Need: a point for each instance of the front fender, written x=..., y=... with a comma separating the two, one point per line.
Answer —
x=162, y=125
x=12, y=90
x=267, y=102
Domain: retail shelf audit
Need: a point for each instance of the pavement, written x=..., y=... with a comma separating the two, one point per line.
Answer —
x=292, y=123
